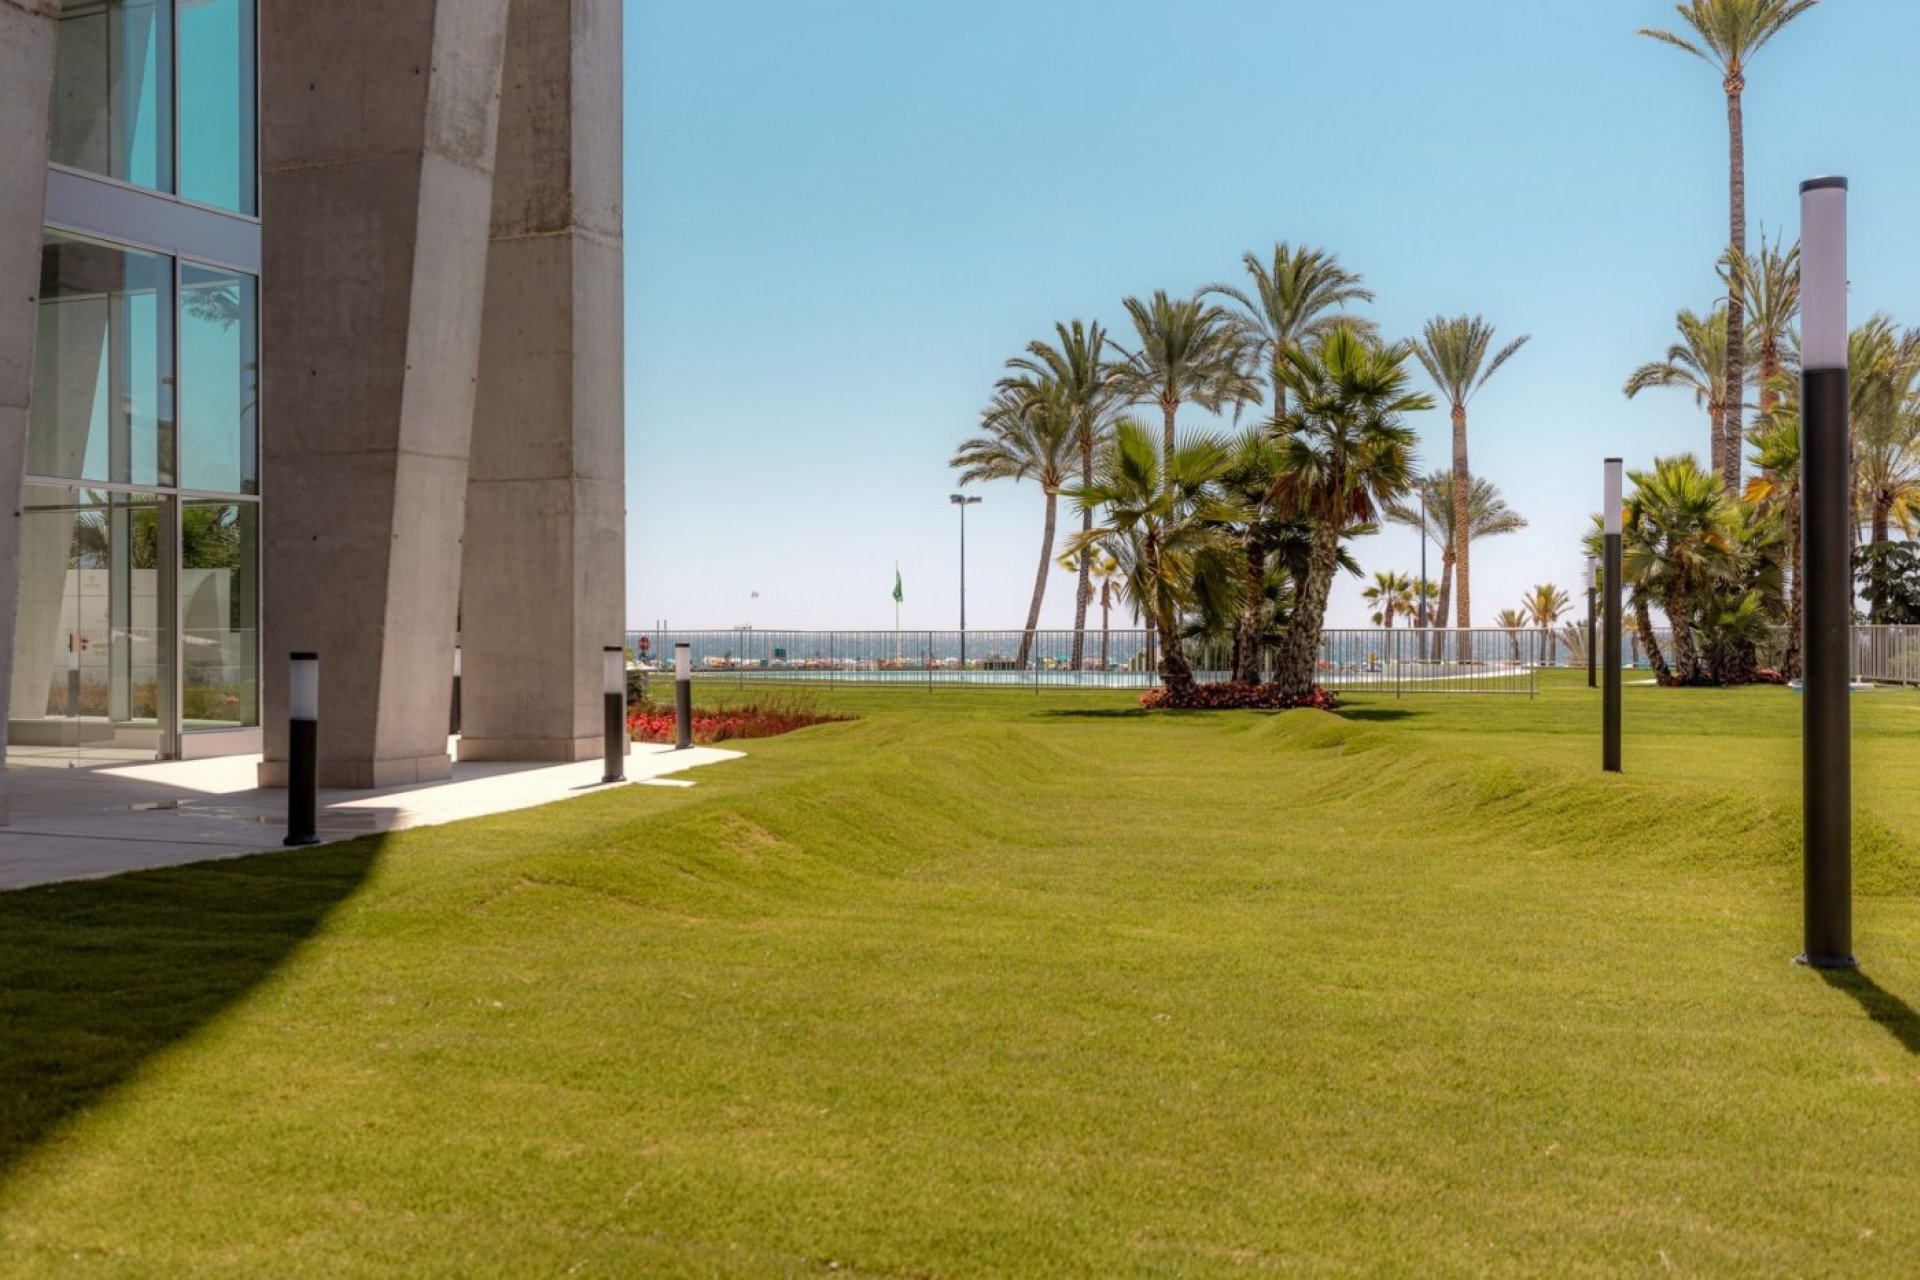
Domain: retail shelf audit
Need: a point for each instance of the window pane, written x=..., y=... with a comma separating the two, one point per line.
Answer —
x=218, y=380
x=103, y=364
x=112, y=91
x=216, y=103
x=219, y=615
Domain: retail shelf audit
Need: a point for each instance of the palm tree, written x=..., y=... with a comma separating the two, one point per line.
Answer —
x=1513, y=622
x=1543, y=606
x=1189, y=352
x=1776, y=453
x=1454, y=352
x=1678, y=542
x=1029, y=435
x=1294, y=298
x=1488, y=515
x=1727, y=34
x=1164, y=522
x=1391, y=593
x=1345, y=452
x=1769, y=290
x=1076, y=363
x=1113, y=590
x=1884, y=377
x=1697, y=363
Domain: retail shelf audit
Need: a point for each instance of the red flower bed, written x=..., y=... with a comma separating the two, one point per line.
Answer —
x=1234, y=697
x=764, y=718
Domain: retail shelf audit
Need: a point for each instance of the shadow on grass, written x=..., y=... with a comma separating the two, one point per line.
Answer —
x=98, y=976
x=1879, y=1004
x=1375, y=713
x=1096, y=713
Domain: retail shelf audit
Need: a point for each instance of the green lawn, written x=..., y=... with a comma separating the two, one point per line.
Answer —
x=1009, y=984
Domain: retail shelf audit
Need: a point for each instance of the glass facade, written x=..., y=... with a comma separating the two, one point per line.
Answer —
x=139, y=598
x=160, y=94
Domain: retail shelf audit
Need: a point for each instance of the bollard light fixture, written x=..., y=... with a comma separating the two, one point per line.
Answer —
x=613, y=684
x=303, y=749
x=682, y=696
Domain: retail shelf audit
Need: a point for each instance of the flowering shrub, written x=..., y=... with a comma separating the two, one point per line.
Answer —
x=1228, y=697
x=762, y=717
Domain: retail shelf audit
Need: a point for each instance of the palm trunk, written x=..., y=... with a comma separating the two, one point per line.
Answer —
x=1790, y=661
x=1769, y=370
x=1717, y=438
x=1732, y=426
x=1168, y=407
x=1246, y=632
x=1434, y=646
x=1643, y=623
x=1882, y=530
x=1106, y=595
x=1039, y=580
x=1462, y=486
x=1686, y=654
x=1083, y=595
x=1300, y=646
x=1175, y=673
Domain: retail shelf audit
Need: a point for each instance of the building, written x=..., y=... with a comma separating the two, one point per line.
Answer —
x=310, y=339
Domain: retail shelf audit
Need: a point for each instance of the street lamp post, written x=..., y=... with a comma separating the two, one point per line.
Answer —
x=1825, y=718
x=963, y=502
x=1610, y=515
x=1592, y=594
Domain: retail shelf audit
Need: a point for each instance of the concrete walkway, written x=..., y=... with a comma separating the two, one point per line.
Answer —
x=84, y=820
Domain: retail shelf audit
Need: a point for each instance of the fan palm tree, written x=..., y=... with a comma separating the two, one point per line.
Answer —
x=1454, y=353
x=1076, y=363
x=1163, y=521
x=1029, y=435
x=1696, y=363
x=1513, y=622
x=1679, y=541
x=1488, y=515
x=1391, y=593
x=1345, y=452
x=1188, y=351
x=1726, y=34
x=1292, y=299
x=1543, y=606
x=1768, y=285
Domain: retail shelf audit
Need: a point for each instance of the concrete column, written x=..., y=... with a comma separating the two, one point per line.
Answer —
x=378, y=123
x=543, y=585
x=27, y=38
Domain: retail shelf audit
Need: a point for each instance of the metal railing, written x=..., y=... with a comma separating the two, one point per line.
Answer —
x=1399, y=660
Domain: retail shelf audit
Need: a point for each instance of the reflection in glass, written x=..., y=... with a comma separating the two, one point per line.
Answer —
x=103, y=364
x=216, y=103
x=113, y=92
x=91, y=659
x=218, y=380
x=219, y=615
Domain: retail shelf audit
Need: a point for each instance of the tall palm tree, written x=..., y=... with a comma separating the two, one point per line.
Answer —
x=1726, y=35
x=1513, y=622
x=1164, y=521
x=1776, y=454
x=1698, y=364
x=1391, y=593
x=1488, y=515
x=1076, y=363
x=1029, y=435
x=1454, y=351
x=1768, y=284
x=1884, y=378
x=1293, y=298
x=1188, y=351
x=1345, y=451
x=1543, y=606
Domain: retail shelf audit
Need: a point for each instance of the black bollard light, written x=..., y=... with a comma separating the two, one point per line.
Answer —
x=682, y=696
x=613, y=668
x=1593, y=588
x=453, y=725
x=1825, y=717
x=1613, y=498
x=303, y=749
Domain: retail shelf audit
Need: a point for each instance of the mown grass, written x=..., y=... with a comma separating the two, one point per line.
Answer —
x=1002, y=984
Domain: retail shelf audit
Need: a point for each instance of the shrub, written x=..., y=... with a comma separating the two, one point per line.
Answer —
x=1233, y=697
x=762, y=716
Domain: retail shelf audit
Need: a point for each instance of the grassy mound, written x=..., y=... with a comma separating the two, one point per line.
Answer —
x=994, y=983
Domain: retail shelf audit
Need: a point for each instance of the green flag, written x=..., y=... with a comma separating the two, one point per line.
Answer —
x=899, y=597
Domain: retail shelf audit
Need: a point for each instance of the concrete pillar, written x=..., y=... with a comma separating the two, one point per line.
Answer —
x=378, y=123
x=543, y=585
x=27, y=37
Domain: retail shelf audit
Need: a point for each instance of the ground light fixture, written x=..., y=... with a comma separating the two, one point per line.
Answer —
x=962, y=501
x=303, y=749
x=613, y=672
x=1827, y=629
x=682, y=696
x=1611, y=502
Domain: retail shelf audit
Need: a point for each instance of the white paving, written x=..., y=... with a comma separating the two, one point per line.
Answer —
x=82, y=820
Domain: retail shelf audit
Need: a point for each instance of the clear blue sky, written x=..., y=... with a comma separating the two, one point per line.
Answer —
x=843, y=215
